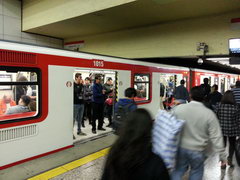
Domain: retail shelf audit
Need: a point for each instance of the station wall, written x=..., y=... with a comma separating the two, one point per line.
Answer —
x=10, y=26
x=170, y=39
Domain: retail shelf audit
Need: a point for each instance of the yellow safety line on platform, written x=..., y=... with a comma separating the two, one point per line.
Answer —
x=72, y=165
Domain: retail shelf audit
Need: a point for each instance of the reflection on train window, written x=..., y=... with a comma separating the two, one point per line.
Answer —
x=141, y=84
x=19, y=94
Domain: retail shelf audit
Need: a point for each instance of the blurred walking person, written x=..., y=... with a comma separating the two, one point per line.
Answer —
x=201, y=126
x=228, y=115
x=131, y=156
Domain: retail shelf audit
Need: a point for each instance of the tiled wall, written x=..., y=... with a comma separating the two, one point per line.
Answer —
x=10, y=26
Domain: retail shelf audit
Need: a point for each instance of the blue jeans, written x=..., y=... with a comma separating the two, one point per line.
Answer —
x=189, y=158
x=78, y=114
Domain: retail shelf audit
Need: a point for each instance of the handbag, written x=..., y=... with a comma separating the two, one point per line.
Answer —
x=109, y=101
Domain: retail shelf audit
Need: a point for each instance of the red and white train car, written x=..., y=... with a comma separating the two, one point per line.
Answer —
x=223, y=80
x=49, y=75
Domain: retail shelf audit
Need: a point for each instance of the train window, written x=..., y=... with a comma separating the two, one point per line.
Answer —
x=19, y=94
x=142, y=85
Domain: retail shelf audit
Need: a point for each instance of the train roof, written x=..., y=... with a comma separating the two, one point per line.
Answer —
x=16, y=46
x=193, y=64
x=168, y=63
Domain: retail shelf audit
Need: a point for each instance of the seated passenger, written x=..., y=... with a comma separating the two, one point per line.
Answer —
x=6, y=103
x=21, y=107
x=131, y=156
x=32, y=106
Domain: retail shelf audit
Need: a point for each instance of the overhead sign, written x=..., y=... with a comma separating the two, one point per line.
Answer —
x=235, y=23
x=75, y=45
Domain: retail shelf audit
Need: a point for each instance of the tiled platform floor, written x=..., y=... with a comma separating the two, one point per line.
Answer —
x=93, y=171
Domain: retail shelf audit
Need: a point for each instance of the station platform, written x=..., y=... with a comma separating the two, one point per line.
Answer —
x=93, y=170
x=85, y=161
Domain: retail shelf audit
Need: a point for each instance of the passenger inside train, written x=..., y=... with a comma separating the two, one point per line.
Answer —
x=19, y=92
x=94, y=102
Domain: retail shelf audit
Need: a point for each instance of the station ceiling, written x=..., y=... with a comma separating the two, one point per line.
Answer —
x=135, y=15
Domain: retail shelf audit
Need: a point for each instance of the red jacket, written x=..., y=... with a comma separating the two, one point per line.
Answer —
x=3, y=106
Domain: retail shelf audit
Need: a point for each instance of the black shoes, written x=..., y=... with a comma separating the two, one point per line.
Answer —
x=101, y=129
x=94, y=131
x=81, y=134
x=230, y=163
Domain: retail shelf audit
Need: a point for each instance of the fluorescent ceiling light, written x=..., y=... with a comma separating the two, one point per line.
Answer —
x=218, y=59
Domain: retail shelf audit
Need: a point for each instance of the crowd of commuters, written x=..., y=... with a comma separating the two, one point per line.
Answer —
x=92, y=101
x=216, y=119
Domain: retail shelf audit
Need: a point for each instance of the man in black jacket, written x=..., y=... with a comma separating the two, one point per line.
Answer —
x=78, y=102
x=181, y=93
x=214, y=97
x=98, y=105
x=88, y=92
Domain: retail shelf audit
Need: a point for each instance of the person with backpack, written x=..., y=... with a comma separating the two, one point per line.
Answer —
x=123, y=107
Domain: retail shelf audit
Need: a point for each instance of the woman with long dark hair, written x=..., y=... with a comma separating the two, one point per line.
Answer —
x=228, y=115
x=131, y=156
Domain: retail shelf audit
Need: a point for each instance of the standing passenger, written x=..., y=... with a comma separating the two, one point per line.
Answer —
x=228, y=115
x=181, y=93
x=206, y=87
x=108, y=86
x=131, y=156
x=236, y=92
x=201, y=126
x=78, y=102
x=214, y=97
x=98, y=105
x=88, y=92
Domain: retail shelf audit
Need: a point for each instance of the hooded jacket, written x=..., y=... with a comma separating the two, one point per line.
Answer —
x=124, y=102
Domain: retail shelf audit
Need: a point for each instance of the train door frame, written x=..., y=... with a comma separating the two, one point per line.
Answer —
x=175, y=75
x=94, y=72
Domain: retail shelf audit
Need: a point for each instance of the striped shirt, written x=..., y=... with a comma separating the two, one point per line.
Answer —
x=236, y=93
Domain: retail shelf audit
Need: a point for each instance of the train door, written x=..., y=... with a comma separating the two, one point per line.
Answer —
x=216, y=80
x=228, y=83
x=168, y=83
x=222, y=84
x=87, y=79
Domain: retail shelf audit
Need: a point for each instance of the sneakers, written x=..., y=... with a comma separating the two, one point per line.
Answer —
x=81, y=134
x=101, y=129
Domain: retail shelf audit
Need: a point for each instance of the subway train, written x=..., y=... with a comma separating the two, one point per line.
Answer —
x=47, y=74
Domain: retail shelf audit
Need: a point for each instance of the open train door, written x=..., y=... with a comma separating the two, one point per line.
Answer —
x=86, y=126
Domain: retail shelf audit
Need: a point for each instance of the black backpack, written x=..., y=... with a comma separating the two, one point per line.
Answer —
x=119, y=116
